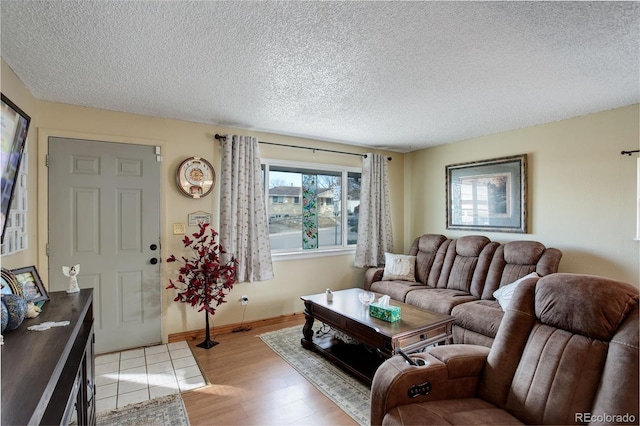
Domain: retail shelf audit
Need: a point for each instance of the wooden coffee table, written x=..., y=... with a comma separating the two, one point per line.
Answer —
x=378, y=339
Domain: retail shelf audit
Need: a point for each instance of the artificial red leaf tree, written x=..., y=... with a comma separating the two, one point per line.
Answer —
x=204, y=280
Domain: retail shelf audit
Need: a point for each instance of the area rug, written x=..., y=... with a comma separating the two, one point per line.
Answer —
x=167, y=410
x=351, y=395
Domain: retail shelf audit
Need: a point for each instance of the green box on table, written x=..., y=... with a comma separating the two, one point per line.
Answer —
x=387, y=313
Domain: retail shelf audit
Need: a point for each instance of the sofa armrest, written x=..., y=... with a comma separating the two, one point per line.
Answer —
x=461, y=360
x=372, y=275
x=451, y=371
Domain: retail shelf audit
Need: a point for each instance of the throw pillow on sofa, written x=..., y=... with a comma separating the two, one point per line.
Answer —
x=505, y=293
x=399, y=267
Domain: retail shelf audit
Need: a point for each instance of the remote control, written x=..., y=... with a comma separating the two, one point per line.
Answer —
x=407, y=357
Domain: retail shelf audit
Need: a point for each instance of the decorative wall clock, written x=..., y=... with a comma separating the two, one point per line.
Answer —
x=195, y=177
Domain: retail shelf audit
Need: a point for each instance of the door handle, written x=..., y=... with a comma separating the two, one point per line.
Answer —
x=153, y=260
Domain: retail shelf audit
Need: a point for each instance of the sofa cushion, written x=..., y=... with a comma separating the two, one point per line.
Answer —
x=505, y=293
x=480, y=316
x=466, y=264
x=560, y=302
x=523, y=252
x=517, y=259
x=469, y=337
x=621, y=371
x=471, y=245
x=438, y=299
x=397, y=290
x=399, y=267
x=468, y=411
x=430, y=250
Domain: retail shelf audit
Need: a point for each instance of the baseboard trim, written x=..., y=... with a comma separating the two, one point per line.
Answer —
x=225, y=329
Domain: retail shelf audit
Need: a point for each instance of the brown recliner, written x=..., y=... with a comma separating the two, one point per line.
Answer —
x=566, y=353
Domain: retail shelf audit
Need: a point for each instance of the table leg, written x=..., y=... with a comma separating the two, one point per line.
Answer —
x=307, y=330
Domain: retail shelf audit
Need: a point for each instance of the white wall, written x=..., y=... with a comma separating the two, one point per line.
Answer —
x=582, y=192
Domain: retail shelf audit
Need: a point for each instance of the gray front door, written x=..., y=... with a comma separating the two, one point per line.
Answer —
x=104, y=214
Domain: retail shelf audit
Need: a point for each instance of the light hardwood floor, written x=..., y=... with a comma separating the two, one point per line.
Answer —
x=251, y=385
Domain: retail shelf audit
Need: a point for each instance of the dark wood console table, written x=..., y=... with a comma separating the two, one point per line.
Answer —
x=48, y=376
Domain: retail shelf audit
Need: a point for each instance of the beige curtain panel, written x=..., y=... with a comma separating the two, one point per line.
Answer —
x=244, y=229
x=375, y=236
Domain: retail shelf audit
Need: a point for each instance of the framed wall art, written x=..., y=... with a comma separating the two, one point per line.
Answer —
x=489, y=195
x=31, y=284
x=15, y=125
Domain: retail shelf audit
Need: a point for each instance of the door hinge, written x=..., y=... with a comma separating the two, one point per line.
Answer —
x=158, y=154
x=47, y=249
x=46, y=160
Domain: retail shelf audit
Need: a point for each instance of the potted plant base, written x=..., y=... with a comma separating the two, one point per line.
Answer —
x=207, y=343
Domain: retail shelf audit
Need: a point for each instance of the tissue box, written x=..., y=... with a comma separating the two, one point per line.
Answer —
x=389, y=314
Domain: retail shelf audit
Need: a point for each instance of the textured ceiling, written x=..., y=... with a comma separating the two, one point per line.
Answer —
x=397, y=75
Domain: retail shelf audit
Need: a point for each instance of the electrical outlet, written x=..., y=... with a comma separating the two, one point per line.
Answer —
x=244, y=300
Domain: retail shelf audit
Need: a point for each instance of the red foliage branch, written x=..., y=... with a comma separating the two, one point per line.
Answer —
x=203, y=279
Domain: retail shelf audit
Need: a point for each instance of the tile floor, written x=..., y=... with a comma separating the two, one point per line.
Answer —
x=137, y=375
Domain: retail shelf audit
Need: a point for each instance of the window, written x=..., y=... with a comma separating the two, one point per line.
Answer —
x=305, y=206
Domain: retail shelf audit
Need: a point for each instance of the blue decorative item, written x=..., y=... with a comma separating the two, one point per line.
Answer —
x=309, y=212
x=5, y=315
x=17, y=309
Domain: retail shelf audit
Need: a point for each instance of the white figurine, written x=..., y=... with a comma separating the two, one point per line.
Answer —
x=71, y=272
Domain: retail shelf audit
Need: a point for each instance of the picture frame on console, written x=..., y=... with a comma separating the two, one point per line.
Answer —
x=488, y=195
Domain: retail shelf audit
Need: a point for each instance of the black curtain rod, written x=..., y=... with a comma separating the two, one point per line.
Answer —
x=220, y=137
x=629, y=152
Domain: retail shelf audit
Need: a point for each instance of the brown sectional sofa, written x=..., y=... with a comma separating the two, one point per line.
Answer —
x=459, y=277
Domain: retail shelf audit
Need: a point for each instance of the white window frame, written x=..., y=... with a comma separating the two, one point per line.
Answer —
x=289, y=254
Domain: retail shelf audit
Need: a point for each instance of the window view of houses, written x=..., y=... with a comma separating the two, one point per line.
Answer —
x=335, y=226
